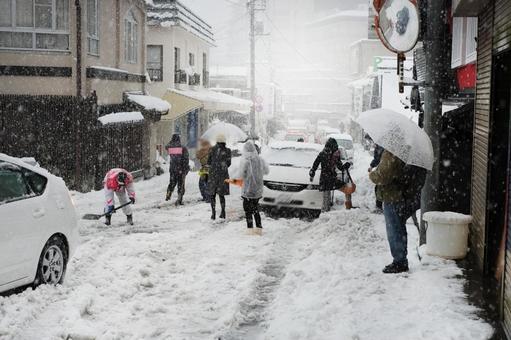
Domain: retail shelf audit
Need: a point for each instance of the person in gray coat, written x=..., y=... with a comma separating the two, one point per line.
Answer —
x=219, y=161
x=252, y=170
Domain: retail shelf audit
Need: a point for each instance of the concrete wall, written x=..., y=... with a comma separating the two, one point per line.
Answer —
x=170, y=37
x=111, y=28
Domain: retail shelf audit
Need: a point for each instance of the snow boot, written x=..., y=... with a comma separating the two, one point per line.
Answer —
x=258, y=231
x=129, y=219
x=213, y=215
x=222, y=214
x=179, y=200
x=167, y=196
x=108, y=219
x=395, y=268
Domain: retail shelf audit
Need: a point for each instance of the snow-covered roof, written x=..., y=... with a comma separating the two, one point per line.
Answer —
x=168, y=13
x=150, y=102
x=295, y=145
x=121, y=117
x=217, y=101
x=340, y=136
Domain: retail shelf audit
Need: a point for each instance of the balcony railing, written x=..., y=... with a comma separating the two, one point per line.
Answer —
x=180, y=77
x=155, y=74
x=194, y=79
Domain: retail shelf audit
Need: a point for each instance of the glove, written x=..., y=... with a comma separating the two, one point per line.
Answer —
x=369, y=169
x=110, y=210
x=346, y=165
x=132, y=199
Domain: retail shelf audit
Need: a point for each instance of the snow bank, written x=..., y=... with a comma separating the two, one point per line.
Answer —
x=150, y=102
x=121, y=117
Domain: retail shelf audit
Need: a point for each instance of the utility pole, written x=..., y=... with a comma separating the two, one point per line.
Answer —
x=252, y=8
x=435, y=43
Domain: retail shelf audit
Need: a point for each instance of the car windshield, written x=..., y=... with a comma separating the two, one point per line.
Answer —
x=298, y=158
x=345, y=143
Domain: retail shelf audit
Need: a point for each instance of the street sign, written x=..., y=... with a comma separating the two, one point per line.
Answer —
x=397, y=24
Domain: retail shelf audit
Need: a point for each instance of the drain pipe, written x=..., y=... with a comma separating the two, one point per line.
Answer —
x=78, y=48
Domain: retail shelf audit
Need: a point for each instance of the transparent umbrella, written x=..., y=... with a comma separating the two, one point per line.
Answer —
x=399, y=135
x=232, y=133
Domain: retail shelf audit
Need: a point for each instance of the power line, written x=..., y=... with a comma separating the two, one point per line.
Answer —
x=287, y=40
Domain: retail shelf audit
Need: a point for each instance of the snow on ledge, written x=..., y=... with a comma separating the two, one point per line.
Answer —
x=121, y=117
x=104, y=68
x=150, y=102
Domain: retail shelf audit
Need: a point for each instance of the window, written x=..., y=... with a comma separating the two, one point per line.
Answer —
x=177, y=58
x=12, y=184
x=34, y=24
x=155, y=62
x=36, y=182
x=93, y=27
x=457, y=41
x=130, y=38
x=205, y=73
x=191, y=59
x=471, y=44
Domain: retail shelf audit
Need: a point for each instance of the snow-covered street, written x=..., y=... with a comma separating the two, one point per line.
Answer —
x=177, y=275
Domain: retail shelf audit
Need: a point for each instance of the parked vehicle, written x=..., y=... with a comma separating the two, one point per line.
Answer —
x=288, y=184
x=345, y=141
x=38, y=225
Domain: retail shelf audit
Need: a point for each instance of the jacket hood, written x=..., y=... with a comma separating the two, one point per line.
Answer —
x=175, y=140
x=331, y=145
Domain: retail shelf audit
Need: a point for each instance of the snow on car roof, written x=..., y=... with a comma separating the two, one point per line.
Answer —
x=296, y=145
x=340, y=136
x=20, y=162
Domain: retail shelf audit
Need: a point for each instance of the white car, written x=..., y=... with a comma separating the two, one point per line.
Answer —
x=38, y=225
x=345, y=141
x=288, y=184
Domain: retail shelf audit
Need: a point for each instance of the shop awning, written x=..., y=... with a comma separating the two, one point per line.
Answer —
x=181, y=105
x=184, y=101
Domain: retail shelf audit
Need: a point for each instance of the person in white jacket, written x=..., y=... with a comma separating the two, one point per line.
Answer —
x=252, y=170
x=119, y=181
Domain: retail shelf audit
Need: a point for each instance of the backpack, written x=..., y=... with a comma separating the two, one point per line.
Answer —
x=411, y=181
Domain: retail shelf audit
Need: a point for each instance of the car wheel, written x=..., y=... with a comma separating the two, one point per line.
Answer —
x=52, y=262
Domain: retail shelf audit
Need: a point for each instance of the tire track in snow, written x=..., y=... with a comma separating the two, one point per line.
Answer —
x=249, y=321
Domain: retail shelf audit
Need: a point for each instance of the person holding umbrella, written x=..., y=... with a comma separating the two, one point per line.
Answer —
x=219, y=161
x=203, y=155
x=399, y=176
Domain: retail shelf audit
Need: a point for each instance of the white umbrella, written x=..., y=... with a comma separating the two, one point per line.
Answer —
x=232, y=133
x=399, y=135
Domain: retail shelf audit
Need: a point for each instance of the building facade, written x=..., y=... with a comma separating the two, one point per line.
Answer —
x=178, y=50
x=72, y=48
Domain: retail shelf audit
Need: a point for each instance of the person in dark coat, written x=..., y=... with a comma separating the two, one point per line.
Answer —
x=219, y=161
x=178, y=168
x=330, y=160
x=378, y=151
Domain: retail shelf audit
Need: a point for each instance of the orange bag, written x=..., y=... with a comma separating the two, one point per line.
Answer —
x=235, y=181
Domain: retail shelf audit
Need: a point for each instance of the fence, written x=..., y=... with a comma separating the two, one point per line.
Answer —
x=65, y=137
